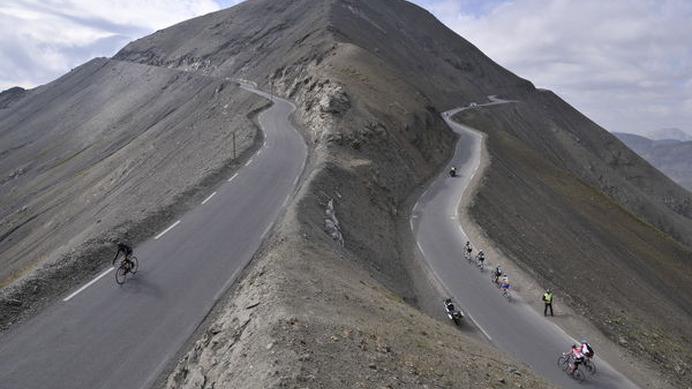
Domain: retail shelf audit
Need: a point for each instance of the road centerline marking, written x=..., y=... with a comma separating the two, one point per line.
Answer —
x=80, y=290
x=208, y=198
x=166, y=230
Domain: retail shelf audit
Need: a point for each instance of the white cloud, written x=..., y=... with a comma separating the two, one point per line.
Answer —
x=42, y=39
x=624, y=63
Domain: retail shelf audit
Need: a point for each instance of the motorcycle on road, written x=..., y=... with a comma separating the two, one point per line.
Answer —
x=453, y=314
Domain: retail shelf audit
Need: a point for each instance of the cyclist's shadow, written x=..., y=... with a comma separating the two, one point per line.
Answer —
x=140, y=285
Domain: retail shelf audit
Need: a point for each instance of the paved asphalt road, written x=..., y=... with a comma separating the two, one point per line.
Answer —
x=512, y=326
x=112, y=336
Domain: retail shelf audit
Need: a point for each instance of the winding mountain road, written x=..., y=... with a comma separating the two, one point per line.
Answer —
x=111, y=336
x=511, y=326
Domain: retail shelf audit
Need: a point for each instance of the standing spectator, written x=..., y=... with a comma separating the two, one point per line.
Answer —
x=548, y=300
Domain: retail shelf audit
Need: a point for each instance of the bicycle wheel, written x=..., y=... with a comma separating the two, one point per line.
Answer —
x=120, y=273
x=578, y=375
x=135, y=264
x=563, y=362
x=590, y=367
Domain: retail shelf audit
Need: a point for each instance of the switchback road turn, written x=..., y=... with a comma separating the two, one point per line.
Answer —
x=511, y=326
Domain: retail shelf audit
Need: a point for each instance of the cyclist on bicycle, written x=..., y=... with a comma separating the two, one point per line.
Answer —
x=126, y=250
x=468, y=247
x=586, y=349
x=577, y=358
x=480, y=257
x=505, y=283
x=498, y=273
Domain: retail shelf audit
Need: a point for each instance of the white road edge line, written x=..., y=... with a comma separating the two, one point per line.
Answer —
x=420, y=248
x=266, y=231
x=249, y=161
x=208, y=198
x=479, y=327
x=80, y=290
x=166, y=230
x=233, y=178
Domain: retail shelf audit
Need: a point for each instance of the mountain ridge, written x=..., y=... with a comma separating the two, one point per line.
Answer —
x=547, y=125
x=668, y=133
x=371, y=112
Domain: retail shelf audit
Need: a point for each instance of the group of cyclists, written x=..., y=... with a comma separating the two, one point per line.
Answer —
x=468, y=254
x=498, y=277
x=580, y=354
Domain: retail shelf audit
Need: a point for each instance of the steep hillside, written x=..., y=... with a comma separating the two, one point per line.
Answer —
x=112, y=150
x=370, y=90
x=672, y=157
x=565, y=201
x=363, y=132
x=605, y=259
x=114, y=172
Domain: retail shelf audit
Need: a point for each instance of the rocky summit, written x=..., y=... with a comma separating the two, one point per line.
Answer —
x=118, y=147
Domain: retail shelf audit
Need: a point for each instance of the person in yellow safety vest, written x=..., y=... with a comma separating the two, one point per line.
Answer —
x=548, y=300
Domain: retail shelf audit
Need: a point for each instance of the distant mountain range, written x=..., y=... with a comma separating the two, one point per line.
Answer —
x=668, y=134
x=668, y=150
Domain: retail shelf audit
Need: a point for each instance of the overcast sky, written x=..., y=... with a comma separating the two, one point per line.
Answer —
x=627, y=64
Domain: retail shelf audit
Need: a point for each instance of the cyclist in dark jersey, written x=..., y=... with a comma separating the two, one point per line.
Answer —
x=126, y=250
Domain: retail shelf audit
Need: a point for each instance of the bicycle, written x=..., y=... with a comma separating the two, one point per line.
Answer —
x=589, y=366
x=506, y=293
x=565, y=363
x=576, y=374
x=128, y=264
x=564, y=360
x=468, y=256
x=480, y=263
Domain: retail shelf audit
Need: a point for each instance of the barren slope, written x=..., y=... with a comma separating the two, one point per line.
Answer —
x=563, y=199
x=112, y=150
x=370, y=102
